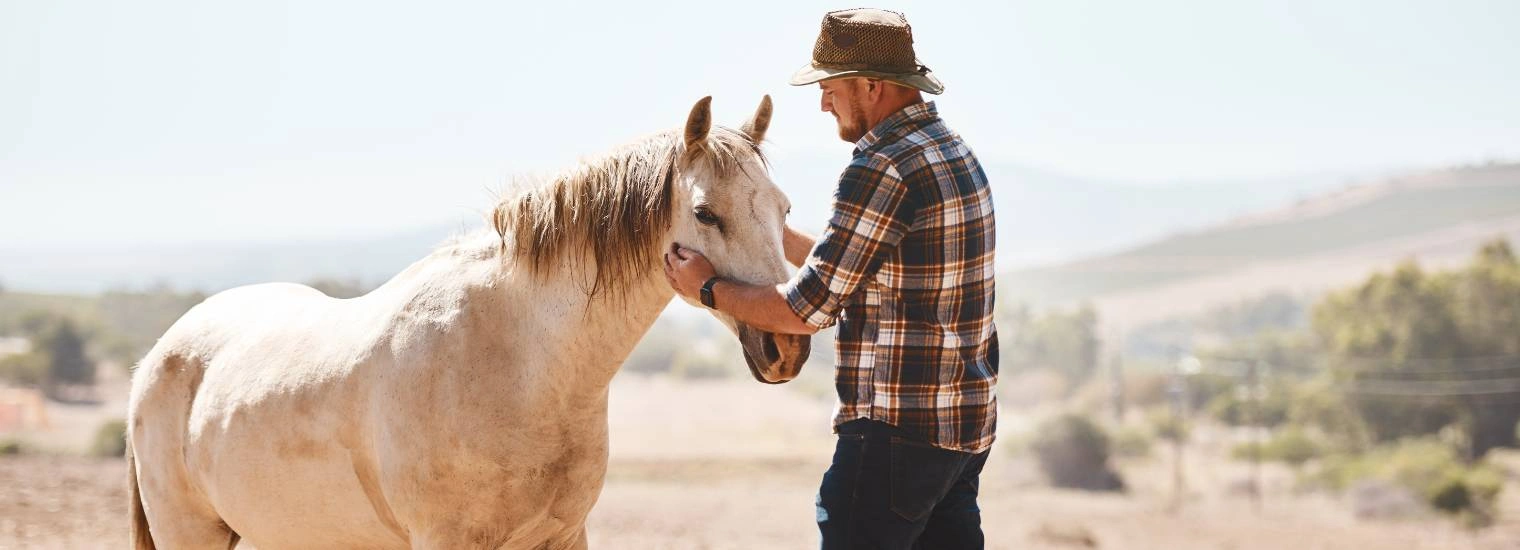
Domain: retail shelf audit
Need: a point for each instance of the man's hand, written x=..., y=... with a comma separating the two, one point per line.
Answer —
x=687, y=270
x=760, y=306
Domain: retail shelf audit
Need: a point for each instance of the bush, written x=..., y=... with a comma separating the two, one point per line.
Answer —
x=25, y=369
x=1234, y=409
x=1073, y=453
x=1168, y=426
x=1321, y=404
x=1132, y=442
x=1431, y=469
x=10, y=447
x=1204, y=388
x=110, y=439
x=1291, y=446
x=1451, y=495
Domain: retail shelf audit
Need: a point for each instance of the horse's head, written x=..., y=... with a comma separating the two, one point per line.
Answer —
x=726, y=207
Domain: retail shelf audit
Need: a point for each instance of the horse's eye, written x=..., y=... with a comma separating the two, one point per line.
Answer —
x=706, y=216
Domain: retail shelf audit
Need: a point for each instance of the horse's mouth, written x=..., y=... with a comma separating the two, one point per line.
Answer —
x=773, y=358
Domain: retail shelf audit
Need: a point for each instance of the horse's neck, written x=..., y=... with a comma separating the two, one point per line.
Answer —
x=610, y=326
x=590, y=334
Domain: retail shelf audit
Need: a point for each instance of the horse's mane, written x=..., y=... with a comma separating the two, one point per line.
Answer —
x=614, y=207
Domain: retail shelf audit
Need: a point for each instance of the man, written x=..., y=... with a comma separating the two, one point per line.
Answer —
x=905, y=267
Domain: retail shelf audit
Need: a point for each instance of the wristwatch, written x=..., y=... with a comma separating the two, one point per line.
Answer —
x=707, y=293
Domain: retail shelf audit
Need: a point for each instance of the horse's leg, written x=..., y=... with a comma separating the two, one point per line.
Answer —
x=179, y=520
x=194, y=534
x=461, y=539
x=175, y=510
x=580, y=541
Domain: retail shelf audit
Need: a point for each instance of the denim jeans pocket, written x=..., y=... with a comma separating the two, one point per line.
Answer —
x=921, y=474
x=838, y=487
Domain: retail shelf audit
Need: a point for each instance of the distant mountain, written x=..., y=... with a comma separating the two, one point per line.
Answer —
x=1043, y=218
x=214, y=266
x=1438, y=217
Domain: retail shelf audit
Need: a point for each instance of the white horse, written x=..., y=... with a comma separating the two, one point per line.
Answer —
x=464, y=403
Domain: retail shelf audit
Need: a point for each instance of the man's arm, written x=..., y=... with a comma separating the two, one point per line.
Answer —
x=760, y=306
x=797, y=245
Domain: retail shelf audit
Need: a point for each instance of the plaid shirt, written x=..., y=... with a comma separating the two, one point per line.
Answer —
x=906, y=268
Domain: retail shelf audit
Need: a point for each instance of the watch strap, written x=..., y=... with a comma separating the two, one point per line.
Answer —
x=707, y=293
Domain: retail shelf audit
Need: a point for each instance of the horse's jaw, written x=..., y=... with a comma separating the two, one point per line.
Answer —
x=773, y=358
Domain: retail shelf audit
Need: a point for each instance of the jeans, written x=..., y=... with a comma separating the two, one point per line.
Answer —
x=891, y=491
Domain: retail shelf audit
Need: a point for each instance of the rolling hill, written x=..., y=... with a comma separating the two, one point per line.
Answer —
x=1437, y=217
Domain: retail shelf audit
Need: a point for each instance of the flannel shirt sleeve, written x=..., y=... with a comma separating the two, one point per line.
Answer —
x=871, y=216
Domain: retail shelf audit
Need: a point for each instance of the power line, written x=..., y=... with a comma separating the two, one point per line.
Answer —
x=1433, y=388
x=1491, y=363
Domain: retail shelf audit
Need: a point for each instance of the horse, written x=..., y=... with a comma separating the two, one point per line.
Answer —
x=462, y=404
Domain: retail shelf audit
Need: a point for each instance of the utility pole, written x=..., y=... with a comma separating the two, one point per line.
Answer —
x=1178, y=390
x=1116, y=386
x=1115, y=352
x=1254, y=393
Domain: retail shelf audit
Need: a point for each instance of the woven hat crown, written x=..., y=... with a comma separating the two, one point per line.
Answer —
x=866, y=39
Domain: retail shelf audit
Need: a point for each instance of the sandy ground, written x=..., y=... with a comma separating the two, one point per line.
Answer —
x=734, y=465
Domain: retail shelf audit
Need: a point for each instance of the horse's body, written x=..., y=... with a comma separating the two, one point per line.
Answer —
x=461, y=405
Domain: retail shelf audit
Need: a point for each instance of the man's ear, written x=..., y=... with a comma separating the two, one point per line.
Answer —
x=874, y=89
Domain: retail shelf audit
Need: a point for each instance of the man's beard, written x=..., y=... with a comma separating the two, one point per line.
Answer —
x=857, y=127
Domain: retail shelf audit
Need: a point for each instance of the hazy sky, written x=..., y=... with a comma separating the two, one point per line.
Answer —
x=167, y=121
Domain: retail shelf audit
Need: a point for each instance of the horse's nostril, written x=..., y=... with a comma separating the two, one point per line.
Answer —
x=772, y=353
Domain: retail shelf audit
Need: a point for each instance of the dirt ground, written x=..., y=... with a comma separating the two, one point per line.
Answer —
x=674, y=485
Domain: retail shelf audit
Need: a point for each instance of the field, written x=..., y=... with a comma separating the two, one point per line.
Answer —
x=734, y=465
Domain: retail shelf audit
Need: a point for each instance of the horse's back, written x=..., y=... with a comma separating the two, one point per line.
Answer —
x=169, y=376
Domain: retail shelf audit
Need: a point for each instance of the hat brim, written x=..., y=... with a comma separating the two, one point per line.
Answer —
x=812, y=74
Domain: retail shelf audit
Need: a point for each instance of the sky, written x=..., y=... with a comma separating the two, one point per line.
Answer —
x=160, y=121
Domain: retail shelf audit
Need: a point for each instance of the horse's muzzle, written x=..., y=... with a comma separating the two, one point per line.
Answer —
x=774, y=358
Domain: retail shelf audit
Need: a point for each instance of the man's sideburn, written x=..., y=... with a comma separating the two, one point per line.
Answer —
x=856, y=128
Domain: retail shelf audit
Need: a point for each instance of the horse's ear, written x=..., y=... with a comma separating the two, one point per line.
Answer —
x=755, y=127
x=699, y=122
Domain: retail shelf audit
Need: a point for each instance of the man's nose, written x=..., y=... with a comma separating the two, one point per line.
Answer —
x=823, y=102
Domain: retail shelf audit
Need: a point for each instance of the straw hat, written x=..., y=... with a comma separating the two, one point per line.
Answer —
x=867, y=43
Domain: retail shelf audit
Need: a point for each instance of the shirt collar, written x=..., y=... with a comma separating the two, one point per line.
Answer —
x=889, y=125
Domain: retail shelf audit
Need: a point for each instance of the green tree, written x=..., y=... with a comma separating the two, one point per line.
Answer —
x=1488, y=316
x=1270, y=313
x=1373, y=331
x=67, y=362
x=1065, y=342
x=1418, y=352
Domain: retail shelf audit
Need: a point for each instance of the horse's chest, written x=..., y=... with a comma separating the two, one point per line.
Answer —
x=530, y=474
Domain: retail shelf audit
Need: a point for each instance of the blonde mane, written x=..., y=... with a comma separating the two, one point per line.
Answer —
x=613, y=209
